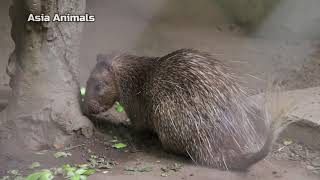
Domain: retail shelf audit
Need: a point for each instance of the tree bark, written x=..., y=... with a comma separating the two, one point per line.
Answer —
x=44, y=108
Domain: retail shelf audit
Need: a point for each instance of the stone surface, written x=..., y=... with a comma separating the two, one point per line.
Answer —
x=306, y=109
x=316, y=162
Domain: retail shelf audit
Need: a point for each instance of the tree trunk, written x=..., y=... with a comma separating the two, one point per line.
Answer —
x=44, y=108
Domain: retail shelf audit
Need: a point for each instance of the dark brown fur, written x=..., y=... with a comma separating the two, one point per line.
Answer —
x=191, y=100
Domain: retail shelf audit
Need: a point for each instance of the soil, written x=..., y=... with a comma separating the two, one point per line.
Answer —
x=286, y=162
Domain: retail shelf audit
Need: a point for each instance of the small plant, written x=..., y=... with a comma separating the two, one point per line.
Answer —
x=80, y=172
x=82, y=91
x=42, y=175
x=75, y=173
x=119, y=146
x=119, y=108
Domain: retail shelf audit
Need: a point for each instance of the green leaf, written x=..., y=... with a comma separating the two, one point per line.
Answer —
x=89, y=172
x=70, y=174
x=62, y=154
x=82, y=91
x=34, y=165
x=75, y=177
x=67, y=168
x=119, y=146
x=81, y=171
x=73, y=173
x=43, y=175
x=46, y=176
x=119, y=108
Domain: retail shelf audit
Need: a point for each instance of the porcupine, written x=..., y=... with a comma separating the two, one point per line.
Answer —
x=192, y=101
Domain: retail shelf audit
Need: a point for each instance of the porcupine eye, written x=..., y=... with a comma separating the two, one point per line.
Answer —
x=101, y=87
x=98, y=87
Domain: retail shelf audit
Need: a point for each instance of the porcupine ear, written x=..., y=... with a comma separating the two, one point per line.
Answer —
x=101, y=57
x=104, y=59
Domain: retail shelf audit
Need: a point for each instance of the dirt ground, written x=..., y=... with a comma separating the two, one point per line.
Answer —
x=143, y=158
x=119, y=26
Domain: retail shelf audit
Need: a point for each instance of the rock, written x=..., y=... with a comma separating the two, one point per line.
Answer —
x=316, y=162
x=305, y=111
x=310, y=167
